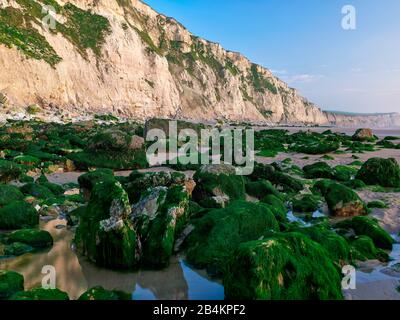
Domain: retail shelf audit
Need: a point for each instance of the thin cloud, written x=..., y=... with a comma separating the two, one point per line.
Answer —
x=302, y=78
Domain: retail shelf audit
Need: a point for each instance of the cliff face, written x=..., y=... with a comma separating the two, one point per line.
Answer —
x=387, y=120
x=121, y=56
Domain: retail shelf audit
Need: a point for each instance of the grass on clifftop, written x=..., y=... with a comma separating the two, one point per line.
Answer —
x=20, y=28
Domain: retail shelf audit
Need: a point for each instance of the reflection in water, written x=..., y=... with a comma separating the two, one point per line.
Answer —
x=75, y=274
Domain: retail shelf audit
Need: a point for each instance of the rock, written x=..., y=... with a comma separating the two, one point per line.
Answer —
x=17, y=249
x=105, y=233
x=32, y=237
x=384, y=172
x=377, y=204
x=276, y=206
x=344, y=202
x=219, y=233
x=365, y=226
x=38, y=191
x=363, y=248
x=69, y=166
x=318, y=170
x=344, y=173
x=282, y=267
x=10, y=283
x=9, y=193
x=307, y=203
x=40, y=294
x=217, y=185
x=164, y=228
x=363, y=135
x=261, y=189
x=99, y=293
x=88, y=180
x=139, y=182
x=9, y=171
x=18, y=214
x=355, y=184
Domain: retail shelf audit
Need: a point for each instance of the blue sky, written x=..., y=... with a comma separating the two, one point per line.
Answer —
x=303, y=43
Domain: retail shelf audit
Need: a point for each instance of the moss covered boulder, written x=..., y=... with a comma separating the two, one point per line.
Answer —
x=344, y=173
x=10, y=283
x=9, y=171
x=40, y=294
x=277, y=207
x=105, y=233
x=261, y=189
x=363, y=134
x=363, y=248
x=318, y=170
x=366, y=226
x=344, y=202
x=306, y=203
x=282, y=267
x=32, y=237
x=18, y=214
x=99, y=293
x=88, y=180
x=218, y=233
x=17, y=249
x=160, y=218
x=38, y=191
x=217, y=185
x=384, y=172
x=9, y=193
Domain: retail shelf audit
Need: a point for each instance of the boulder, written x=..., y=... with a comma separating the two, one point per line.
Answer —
x=383, y=172
x=17, y=249
x=18, y=214
x=365, y=226
x=318, y=170
x=363, y=248
x=307, y=203
x=10, y=283
x=363, y=134
x=9, y=193
x=219, y=233
x=32, y=237
x=261, y=189
x=218, y=185
x=99, y=293
x=105, y=233
x=161, y=223
x=284, y=266
x=344, y=202
x=40, y=294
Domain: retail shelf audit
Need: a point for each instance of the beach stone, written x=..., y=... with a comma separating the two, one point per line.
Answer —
x=363, y=134
x=383, y=172
x=10, y=283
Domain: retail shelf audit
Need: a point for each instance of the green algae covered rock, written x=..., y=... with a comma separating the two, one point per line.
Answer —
x=18, y=214
x=217, y=185
x=90, y=179
x=365, y=226
x=9, y=194
x=32, y=237
x=307, y=203
x=377, y=204
x=276, y=206
x=9, y=171
x=164, y=227
x=105, y=234
x=363, y=248
x=260, y=189
x=336, y=246
x=344, y=202
x=285, y=266
x=218, y=233
x=344, y=173
x=17, y=249
x=10, y=283
x=318, y=170
x=384, y=172
x=99, y=293
x=355, y=184
x=40, y=294
x=364, y=134
x=38, y=191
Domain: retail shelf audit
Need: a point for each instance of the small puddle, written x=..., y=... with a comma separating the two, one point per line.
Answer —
x=75, y=274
